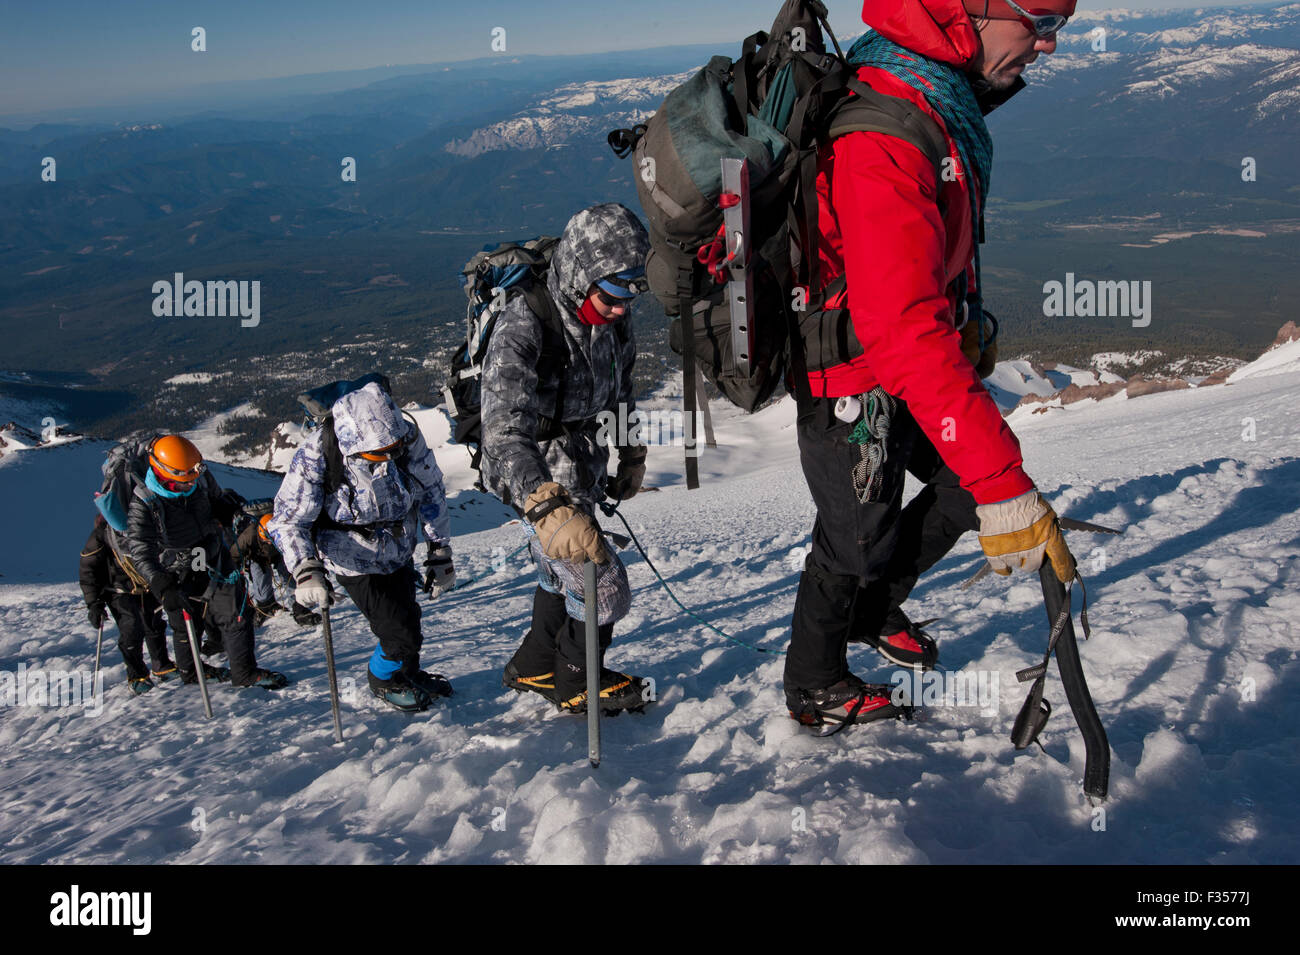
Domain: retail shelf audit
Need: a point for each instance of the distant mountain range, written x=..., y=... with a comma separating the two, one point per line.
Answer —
x=1119, y=162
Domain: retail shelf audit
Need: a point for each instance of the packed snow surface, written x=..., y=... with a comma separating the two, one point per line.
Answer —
x=1192, y=664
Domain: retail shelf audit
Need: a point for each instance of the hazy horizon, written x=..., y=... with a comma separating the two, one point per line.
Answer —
x=78, y=55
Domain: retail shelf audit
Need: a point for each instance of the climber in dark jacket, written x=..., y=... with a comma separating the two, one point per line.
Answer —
x=107, y=587
x=177, y=543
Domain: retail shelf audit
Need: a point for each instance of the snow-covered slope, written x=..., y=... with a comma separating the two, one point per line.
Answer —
x=1281, y=360
x=1192, y=662
x=1013, y=379
x=576, y=110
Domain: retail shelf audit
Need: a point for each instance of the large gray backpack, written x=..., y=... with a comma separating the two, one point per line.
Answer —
x=726, y=173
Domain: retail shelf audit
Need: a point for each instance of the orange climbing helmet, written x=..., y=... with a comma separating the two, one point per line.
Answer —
x=174, y=458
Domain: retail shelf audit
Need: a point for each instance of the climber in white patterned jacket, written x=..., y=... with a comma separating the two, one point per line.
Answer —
x=357, y=493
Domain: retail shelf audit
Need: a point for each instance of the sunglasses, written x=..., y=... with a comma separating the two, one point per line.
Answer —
x=177, y=486
x=385, y=453
x=1042, y=24
x=182, y=477
x=611, y=301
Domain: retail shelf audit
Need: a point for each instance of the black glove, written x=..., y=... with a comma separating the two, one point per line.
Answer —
x=438, y=570
x=168, y=591
x=96, y=613
x=304, y=617
x=631, y=472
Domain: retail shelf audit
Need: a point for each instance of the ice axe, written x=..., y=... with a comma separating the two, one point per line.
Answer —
x=99, y=645
x=334, y=680
x=198, y=663
x=593, y=663
x=1033, y=714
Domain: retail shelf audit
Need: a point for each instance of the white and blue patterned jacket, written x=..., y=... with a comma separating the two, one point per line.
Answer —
x=391, y=502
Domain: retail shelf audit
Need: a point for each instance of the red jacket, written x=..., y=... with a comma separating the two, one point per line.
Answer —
x=903, y=249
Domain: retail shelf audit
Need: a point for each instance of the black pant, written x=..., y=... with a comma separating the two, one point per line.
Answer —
x=226, y=606
x=138, y=623
x=558, y=643
x=390, y=607
x=866, y=558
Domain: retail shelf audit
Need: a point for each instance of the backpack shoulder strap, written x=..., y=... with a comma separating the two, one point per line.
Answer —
x=872, y=111
x=539, y=300
x=555, y=351
x=333, y=456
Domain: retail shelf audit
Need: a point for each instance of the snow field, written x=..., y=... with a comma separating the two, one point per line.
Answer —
x=1192, y=664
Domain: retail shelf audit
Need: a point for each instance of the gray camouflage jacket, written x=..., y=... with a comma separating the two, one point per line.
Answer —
x=597, y=242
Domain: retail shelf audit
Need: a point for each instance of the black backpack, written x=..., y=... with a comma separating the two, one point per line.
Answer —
x=124, y=470
x=726, y=172
x=492, y=278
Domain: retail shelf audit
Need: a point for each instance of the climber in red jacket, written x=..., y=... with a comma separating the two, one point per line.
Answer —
x=900, y=269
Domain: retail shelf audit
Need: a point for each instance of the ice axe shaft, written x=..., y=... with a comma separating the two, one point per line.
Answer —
x=99, y=646
x=198, y=663
x=593, y=663
x=334, y=680
x=1096, y=774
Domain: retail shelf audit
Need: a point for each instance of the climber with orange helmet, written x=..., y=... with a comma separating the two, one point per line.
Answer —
x=177, y=542
x=257, y=554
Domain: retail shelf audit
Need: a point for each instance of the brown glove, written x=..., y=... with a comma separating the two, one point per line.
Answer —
x=1016, y=533
x=984, y=361
x=631, y=472
x=564, y=532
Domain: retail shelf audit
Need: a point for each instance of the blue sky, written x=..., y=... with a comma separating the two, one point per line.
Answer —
x=81, y=53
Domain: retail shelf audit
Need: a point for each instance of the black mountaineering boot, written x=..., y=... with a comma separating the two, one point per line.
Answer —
x=219, y=674
x=542, y=684
x=903, y=642
x=399, y=693
x=844, y=703
x=434, y=684
x=618, y=692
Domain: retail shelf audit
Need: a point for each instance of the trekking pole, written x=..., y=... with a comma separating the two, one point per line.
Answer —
x=99, y=645
x=334, y=680
x=198, y=663
x=593, y=664
x=1096, y=774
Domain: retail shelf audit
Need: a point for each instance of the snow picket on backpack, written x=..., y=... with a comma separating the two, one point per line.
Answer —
x=726, y=171
x=492, y=278
x=124, y=470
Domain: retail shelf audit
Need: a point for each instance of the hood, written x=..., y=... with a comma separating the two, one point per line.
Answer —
x=597, y=242
x=939, y=29
x=366, y=419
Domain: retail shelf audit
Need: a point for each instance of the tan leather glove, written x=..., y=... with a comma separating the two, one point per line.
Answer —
x=631, y=472
x=564, y=532
x=1016, y=533
x=986, y=360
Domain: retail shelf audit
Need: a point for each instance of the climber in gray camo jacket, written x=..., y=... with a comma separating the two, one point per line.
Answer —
x=541, y=454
